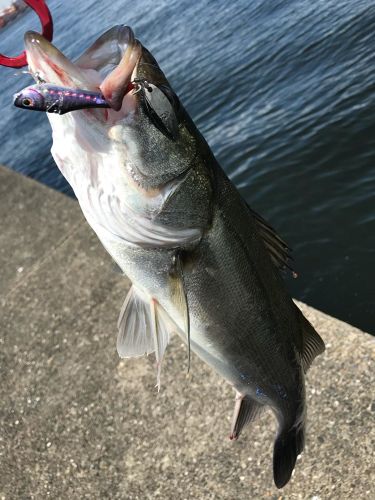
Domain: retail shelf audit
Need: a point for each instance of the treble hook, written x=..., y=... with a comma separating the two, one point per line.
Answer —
x=45, y=17
x=139, y=84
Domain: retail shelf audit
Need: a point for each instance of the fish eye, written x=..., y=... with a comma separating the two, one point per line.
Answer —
x=27, y=101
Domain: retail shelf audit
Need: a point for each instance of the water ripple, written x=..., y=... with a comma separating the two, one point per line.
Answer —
x=284, y=92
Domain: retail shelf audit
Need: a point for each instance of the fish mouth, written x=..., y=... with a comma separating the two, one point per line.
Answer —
x=109, y=64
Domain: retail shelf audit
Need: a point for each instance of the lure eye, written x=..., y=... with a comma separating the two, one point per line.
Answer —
x=27, y=101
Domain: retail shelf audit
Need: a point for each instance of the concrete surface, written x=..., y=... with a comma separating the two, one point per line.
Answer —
x=78, y=423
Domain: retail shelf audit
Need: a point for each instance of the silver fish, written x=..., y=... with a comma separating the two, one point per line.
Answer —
x=202, y=263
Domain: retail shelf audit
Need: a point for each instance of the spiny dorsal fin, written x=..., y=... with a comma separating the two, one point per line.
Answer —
x=278, y=250
x=144, y=327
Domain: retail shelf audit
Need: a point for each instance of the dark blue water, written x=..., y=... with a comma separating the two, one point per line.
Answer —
x=284, y=92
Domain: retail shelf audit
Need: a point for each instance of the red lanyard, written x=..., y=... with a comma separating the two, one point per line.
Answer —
x=45, y=17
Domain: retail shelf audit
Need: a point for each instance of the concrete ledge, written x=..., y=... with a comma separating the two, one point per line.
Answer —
x=76, y=422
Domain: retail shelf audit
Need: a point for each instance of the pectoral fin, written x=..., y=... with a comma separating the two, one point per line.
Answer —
x=179, y=296
x=144, y=327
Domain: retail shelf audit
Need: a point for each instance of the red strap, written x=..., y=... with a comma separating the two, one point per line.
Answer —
x=45, y=17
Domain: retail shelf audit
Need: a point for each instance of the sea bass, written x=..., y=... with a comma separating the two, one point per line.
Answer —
x=202, y=262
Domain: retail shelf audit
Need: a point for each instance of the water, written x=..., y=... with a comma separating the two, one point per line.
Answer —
x=284, y=93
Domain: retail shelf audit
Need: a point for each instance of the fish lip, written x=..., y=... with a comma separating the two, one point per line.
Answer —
x=116, y=48
x=49, y=63
x=127, y=57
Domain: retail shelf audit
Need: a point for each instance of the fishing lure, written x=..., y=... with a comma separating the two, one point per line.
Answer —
x=55, y=99
x=50, y=98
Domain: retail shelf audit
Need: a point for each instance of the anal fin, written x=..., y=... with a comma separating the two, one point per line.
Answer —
x=246, y=410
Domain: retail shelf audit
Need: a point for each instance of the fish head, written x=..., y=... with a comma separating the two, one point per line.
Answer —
x=30, y=98
x=142, y=126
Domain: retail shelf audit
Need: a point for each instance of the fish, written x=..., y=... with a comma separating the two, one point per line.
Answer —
x=55, y=99
x=202, y=263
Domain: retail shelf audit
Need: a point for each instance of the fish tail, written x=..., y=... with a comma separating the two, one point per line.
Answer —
x=288, y=445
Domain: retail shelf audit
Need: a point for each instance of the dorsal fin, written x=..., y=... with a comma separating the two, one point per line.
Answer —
x=278, y=250
x=312, y=343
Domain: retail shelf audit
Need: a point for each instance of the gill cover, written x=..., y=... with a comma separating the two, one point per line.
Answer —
x=159, y=109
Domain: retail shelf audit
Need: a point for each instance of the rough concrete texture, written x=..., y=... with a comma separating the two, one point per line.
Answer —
x=77, y=422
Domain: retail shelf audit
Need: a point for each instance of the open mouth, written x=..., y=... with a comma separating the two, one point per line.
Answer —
x=110, y=64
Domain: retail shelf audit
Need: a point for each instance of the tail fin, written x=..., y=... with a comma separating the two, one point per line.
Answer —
x=288, y=445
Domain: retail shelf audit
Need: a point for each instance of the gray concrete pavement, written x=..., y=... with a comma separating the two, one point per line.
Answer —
x=77, y=422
